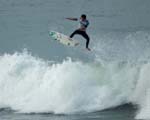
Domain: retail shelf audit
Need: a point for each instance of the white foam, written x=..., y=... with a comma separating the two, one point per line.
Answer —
x=144, y=112
x=141, y=94
x=29, y=84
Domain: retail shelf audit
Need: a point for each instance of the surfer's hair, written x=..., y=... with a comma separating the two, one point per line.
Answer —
x=83, y=16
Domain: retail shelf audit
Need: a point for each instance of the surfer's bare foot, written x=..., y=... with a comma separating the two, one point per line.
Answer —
x=88, y=49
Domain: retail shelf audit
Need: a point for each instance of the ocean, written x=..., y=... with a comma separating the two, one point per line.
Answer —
x=41, y=79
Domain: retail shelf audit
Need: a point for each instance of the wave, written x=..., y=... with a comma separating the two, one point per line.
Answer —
x=32, y=85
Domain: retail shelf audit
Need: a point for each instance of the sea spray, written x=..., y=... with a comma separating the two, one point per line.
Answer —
x=144, y=111
x=32, y=85
x=141, y=93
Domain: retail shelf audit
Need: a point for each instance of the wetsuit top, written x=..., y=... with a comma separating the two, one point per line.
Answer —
x=84, y=24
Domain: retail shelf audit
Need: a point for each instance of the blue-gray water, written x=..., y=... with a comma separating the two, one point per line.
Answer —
x=125, y=112
x=41, y=79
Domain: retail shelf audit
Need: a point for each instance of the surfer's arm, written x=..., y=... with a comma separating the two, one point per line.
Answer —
x=73, y=19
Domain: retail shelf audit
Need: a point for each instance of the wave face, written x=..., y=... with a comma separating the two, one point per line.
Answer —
x=32, y=85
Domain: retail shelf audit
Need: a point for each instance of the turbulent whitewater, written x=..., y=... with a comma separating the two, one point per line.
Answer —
x=32, y=85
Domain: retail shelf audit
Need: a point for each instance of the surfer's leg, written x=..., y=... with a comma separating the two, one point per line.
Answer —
x=75, y=32
x=84, y=34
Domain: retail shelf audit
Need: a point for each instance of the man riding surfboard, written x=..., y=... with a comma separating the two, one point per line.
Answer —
x=82, y=29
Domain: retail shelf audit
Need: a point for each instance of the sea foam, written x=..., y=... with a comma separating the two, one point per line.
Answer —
x=32, y=85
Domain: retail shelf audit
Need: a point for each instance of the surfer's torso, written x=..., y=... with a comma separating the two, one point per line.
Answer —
x=83, y=24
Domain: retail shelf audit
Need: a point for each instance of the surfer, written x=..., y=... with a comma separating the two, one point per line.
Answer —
x=82, y=29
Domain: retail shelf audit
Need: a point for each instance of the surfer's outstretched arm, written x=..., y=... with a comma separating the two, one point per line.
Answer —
x=73, y=19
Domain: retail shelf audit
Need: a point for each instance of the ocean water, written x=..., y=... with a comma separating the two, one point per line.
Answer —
x=41, y=79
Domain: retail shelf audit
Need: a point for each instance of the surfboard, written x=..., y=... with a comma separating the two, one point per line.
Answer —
x=63, y=39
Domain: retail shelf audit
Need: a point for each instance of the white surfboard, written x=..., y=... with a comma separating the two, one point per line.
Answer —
x=63, y=39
